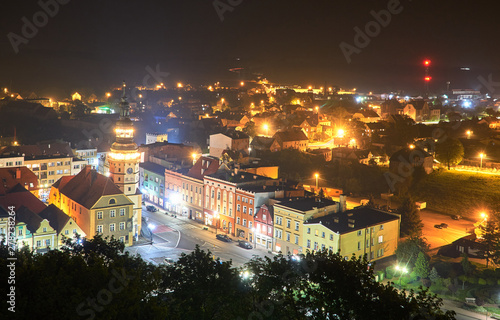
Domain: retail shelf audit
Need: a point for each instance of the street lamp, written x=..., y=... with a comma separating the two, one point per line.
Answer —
x=316, y=175
x=468, y=134
x=151, y=227
x=266, y=127
x=481, y=155
x=402, y=270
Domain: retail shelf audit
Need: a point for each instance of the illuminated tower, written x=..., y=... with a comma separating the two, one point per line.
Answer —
x=123, y=160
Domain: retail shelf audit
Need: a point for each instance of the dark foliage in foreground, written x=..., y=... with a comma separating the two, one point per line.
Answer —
x=96, y=280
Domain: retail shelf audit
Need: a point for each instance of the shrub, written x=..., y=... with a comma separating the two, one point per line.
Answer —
x=491, y=282
x=426, y=282
x=481, y=281
x=479, y=301
x=413, y=276
x=446, y=282
x=472, y=280
x=389, y=272
x=498, y=282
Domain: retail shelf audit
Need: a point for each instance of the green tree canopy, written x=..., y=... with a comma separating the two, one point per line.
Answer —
x=450, y=152
x=411, y=224
x=422, y=266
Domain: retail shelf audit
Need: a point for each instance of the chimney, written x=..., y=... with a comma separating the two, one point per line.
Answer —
x=18, y=173
x=342, y=203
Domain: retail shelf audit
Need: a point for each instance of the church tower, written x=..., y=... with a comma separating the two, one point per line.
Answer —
x=123, y=161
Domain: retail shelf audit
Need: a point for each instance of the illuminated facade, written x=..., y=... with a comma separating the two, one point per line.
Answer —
x=122, y=162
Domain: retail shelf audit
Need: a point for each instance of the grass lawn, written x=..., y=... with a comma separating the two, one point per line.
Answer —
x=463, y=193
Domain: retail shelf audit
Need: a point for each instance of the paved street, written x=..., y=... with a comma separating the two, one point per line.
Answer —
x=173, y=236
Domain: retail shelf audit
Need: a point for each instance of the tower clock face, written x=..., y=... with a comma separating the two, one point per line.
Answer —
x=130, y=170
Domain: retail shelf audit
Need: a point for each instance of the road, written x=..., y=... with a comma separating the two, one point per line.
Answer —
x=174, y=236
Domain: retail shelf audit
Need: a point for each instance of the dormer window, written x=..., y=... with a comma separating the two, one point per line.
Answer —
x=112, y=201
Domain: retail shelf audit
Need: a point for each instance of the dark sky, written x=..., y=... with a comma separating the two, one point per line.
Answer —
x=96, y=44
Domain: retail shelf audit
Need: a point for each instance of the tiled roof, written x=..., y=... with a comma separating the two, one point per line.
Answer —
x=291, y=135
x=18, y=196
x=153, y=167
x=56, y=217
x=87, y=187
x=31, y=219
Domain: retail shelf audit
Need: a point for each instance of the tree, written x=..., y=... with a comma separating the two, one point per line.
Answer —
x=411, y=224
x=489, y=239
x=422, y=266
x=434, y=275
x=467, y=267
x=249, y=129
x=450, y=152
x=409, y=249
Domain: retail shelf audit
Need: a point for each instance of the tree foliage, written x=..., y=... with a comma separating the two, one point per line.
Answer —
x=96, y=279
x=409, y=249
x=411, y=224
x=422, y=266
x=450, y=152
x=490, y=239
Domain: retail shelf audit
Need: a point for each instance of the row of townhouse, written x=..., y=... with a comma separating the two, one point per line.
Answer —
x=30, y=223
x=253, y=208
x=311, y=224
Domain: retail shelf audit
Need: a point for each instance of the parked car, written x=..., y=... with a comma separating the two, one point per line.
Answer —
x=151, y=208
x=456, y=217
x=245, y=244
x=444, y=225
x=438, y=226
x=223, y=237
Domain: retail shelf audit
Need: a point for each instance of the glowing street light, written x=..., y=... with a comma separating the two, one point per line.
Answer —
x=242, y=83
x=468, y=134
x=403, y=270
x=266, y=127
x=108, y=94
x=194, y=157
x=412, y=146
x=340, y=133
x=481, y=155
x=427, y=62
x=316, y=175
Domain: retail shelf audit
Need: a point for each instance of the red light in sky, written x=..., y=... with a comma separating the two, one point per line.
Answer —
x=427, y=79
x=427, y=63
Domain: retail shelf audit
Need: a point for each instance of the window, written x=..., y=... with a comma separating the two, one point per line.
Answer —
x=264, y=217
x=315, y=246
x=359, y=233
x=112, y=213
x=296, y=226
x=244, y=209
x=308, y=230
x=288, y=236
x=99, y=229
x=380, y=239
x=44, y=229
x=111, y=227
x=323, y=247
x=51, y=173
x=238, y=198
x=309, y=243
x=20, y=233
x=238, y=220
x=251, y=201
x=244, y=222
x=316, y=232
x=218, y=195
x=39, y=243
x=322, y=234
x=359, y=245
x=74, y=230
x=381, y=227
x=122, y=211
x=288, y=223
x=112, y=201
x=278, y=233
x=122, y=239
x=331, y=236
x=47, y=242
x=238, y=208
x=250, y=211
x=250, y=224
x=66, y=232
x=122, y=225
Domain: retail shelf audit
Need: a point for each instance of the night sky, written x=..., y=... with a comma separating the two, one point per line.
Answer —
x=97, y=44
